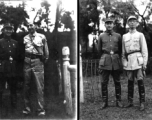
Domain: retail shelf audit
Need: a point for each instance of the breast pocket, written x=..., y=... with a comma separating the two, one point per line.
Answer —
x=127, y=43
x=136, y=44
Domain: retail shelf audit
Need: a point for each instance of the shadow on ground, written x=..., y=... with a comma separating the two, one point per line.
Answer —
x=55, y=109
x=91, y=110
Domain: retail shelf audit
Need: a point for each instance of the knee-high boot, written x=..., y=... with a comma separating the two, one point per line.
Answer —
x=130, y=93
x=1, y=105
x=104, y=95
x=118, y=94
x=141, y=89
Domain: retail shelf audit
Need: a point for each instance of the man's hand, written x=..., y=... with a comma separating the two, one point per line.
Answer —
x=99, y=70
x=144, y=67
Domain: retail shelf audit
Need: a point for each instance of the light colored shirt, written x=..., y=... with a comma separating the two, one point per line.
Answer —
x=36, y=44
x=131, y=42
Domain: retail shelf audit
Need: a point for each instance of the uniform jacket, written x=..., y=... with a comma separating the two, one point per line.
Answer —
x=8, y=48
x=36, y=44
x=108, y=42
x=134, y=41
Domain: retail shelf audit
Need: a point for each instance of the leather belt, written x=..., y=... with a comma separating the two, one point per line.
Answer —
x=32, y=56
x=110, y=52
x=126, y=55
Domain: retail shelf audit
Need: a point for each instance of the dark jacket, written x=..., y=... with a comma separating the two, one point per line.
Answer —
x=8, y=48
x=108, y=42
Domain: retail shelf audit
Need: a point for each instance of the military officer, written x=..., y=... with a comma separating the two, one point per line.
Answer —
x=8, y=60
x=134, y=58
x=36, y=54
x=109, y=47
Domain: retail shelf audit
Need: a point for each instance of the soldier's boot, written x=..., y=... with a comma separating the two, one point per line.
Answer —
x=1, y=105
x=130, y=93
x=118, y=94
x=104, y=96
x=14, y=101
x=141, y=89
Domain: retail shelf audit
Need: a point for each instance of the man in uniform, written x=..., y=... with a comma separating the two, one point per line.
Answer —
x=109, y=47
x=134, y=58
x=8, y=59
x=36, y=54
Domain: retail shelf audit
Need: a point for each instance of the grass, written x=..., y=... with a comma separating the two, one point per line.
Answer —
x=55, y=109
x=90, y=110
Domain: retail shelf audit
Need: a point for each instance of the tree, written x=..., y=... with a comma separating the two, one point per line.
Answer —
x=88, y=14
x=43, y=15
x=15, y=15
x=67, y=20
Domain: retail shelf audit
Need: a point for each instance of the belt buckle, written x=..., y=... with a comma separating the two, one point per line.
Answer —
x=111, y=52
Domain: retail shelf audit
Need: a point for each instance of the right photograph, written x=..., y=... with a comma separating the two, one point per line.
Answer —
x=115, y=70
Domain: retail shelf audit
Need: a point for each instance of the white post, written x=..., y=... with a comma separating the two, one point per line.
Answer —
x=81, y=79
x=67, y=83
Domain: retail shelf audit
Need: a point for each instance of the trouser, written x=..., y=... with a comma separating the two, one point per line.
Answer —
x=33, y=82
x=105, y=79
x=12, y=83
x=138, y=75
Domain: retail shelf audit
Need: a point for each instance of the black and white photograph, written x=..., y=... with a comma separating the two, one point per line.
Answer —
x=115, y=59
x=38, y=59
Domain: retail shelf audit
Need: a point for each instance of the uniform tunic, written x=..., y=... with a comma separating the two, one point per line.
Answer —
x=9, y=48
x=132, y=42
x=35, y=44
x=107, y=43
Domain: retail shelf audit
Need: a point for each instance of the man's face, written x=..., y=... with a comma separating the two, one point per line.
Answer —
x=132, y=23
x=31, y=28
x=109, y=25
x=8, y=31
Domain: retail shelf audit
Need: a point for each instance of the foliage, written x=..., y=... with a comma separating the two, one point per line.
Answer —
x=15, y=15
x=43, y=15
x=88, y=13
x=67, y=20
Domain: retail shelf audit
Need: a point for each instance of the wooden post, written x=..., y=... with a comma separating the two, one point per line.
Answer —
x=81, y=79
x=67, y=83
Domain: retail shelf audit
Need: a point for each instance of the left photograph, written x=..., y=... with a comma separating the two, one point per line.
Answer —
x=38, y=59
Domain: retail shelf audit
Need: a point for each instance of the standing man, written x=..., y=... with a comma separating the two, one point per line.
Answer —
x=36, y=55
x=134, y=58
x=109, y=47
x=8, y=59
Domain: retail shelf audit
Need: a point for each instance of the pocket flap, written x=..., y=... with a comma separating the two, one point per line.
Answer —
x=140, y=60
x=102, y=61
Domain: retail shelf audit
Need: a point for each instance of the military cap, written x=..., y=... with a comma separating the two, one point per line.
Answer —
x=109, y=20
x=8, y=25
x=131, y=17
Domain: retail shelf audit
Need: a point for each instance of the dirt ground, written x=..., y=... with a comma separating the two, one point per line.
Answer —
x=55, y=109
x=91, y=110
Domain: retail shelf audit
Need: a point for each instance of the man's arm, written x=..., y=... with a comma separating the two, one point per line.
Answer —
x=99, y=48
x=124, y=57
x=120, y=45
x=144, y=50
x=45, y=50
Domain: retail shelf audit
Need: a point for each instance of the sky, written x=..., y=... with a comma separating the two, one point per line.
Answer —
x=69, y=5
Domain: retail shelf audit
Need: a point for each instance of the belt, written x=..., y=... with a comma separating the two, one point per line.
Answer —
x=32, y=56
x=126, y=55
x=133, y=52
x=109, y=52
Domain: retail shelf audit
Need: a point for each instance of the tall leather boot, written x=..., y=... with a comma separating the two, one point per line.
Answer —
x=130, y=93
x=1, y=105
x=141, y=89
x=104, y=96
x=118, y=94
x=13, y=101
